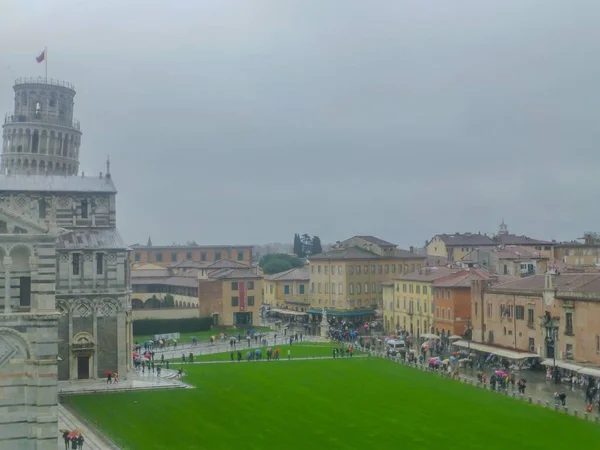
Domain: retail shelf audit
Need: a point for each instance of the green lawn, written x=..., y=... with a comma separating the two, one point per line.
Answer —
x=359, y=403
x=201, y=335
x=298, y=350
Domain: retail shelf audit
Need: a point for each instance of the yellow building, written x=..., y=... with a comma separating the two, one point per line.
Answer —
x=574, y=253
x=169, y=254
x=288, y=289
x=456, y=246
x=231, y=297
x=346, y=280
x=410, y=304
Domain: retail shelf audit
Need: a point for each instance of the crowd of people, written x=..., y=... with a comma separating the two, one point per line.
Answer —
x=73, y=440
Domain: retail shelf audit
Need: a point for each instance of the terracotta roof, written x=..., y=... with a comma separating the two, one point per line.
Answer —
x=509, y=252
x=462, y=279
x=227, y=264
x=376, y=241
x=192, y=246
x=296, y=274
x=513, y=239
x=465, y=239
x=167, y=281
x=387, y=283
x=226, y=274
x=143, y=273
x=361, y=253
x=188, y=265
x=569, y=282
x=427, y=274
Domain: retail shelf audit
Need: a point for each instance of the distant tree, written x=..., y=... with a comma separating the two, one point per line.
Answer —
x=169, y=301
x=279, y=262
x=316, y=245
x=298, y=249
x=306, y=244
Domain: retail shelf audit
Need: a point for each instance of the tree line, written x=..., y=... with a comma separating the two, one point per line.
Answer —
x=304, y=245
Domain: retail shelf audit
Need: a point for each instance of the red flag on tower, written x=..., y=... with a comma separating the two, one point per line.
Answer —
x=41, y=57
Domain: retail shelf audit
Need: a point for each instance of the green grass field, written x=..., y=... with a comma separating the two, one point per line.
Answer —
x=298, y=350
x=358, y=403
x=201, y=335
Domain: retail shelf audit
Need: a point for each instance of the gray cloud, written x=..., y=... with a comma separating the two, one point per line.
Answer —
x=248, y=121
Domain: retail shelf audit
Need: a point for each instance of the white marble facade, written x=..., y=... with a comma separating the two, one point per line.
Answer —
x=65, y=311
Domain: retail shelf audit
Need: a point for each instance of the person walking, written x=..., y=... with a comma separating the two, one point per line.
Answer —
x=80, y=441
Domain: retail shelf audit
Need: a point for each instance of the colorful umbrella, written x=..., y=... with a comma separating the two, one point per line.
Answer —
x=73, y=434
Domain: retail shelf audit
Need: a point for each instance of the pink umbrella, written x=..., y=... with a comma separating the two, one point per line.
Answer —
x=501, y=373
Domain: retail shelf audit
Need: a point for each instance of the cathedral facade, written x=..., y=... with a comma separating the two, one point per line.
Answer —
x=65, y=311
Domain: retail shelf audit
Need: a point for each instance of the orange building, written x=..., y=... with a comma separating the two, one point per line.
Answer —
x=169, y=254
x=453, y=301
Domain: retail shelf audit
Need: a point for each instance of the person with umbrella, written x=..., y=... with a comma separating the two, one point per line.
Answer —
x=65, y=436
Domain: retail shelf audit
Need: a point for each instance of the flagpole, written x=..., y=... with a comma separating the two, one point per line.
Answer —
x=46, y=60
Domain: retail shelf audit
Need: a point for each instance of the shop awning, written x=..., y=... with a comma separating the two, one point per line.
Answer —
x=509, y=354
x=583, y=370
x=288, y=312
x=342, y=313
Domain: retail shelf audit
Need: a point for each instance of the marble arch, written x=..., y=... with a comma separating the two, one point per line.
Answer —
x=13, y=343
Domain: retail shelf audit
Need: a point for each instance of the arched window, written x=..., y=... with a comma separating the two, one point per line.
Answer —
x=333, y=288
x=340, y=289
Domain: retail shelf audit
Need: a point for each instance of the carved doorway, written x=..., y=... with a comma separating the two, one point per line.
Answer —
x=83, y=367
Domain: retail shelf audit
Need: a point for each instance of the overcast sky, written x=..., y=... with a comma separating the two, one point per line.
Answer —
x=248, y=121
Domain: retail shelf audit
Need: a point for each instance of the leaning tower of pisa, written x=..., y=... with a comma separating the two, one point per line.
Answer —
x=40, y=136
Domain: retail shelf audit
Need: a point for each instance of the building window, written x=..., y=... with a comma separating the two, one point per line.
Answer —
x=84, y=209
x=380, y=269
x=99, y=263
x=327, y=288
x=333, y=288
x=42, y=208
x=358, y=269
x=424, y=290
x=569, y=323
x=240, y=256
x=340, y=289
x=332, y=270
x=404, y=288
x=405, y=268
x=597, y=343
x=443, y=313
x=217, y=256
x=412, y=267
x=373, y=287
x=425, y=307
x=325, y=269
x=270, y=289
x=519, y=312
x=387, y=268
x=159, y=257
x=410, y=288
x=476, y=309
x=286, y=289
x=174, y=257
x=76, y=261
x=251, y=300
x=138, y=257
x=489, y=309
x=312, y=269
x=340, y=271
x=319, y=268
x=312, y=287
x=250, y=285
x=351, y=270
x=449, y=313
x=301, y=289
x=373, y=269
x=234, y=286
x=417, y=289
x=530, y=319
x=319, y=288
x=203, y=256
x=352, y=288
x=393, y=268
x=358, y=288
x=235, y=301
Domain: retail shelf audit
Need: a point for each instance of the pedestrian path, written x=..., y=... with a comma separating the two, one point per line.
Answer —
x=308, y=358
x=93, y=439
x=135, y=381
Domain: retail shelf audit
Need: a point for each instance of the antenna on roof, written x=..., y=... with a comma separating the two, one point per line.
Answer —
x=107, y=166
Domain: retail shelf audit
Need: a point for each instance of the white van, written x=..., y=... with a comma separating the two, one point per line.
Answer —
x=394, y=346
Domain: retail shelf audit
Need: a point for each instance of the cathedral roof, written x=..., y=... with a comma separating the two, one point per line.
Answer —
x=94, y=238
x=56, y=183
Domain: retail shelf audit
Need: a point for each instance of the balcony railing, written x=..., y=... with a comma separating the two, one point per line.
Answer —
x=41, y=118
x=47, y=81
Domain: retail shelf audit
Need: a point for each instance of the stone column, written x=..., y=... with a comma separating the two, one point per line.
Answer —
x=72, y=360
x=94, y=373
x=121, y=342
x=33, y=273
x=7, y=293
